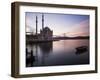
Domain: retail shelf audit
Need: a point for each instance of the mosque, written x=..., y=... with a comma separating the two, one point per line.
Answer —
x=45, y=33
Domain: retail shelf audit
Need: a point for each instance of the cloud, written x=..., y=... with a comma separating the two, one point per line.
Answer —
x=79, y=29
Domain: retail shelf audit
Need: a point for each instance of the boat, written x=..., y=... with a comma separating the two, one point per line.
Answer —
x=81, y=49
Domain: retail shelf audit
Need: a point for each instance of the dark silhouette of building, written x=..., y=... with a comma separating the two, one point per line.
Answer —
x=45, y=33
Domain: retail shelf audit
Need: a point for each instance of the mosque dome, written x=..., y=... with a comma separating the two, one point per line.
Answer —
x=47, y=28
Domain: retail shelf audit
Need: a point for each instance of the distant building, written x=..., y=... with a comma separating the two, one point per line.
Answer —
x=45, y=33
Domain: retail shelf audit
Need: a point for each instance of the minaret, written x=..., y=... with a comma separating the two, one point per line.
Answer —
x=36, y=24
x=42, y=21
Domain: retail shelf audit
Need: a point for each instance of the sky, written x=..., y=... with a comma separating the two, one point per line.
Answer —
x=61, y=24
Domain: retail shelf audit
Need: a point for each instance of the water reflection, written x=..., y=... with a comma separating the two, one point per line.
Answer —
x=38, y=52
x=46, y=48
x=63, y=52
x=30, y=58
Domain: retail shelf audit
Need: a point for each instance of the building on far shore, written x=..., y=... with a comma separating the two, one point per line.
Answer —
x=45, y=33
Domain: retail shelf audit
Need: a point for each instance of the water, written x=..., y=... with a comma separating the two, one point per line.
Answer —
x=54, y=53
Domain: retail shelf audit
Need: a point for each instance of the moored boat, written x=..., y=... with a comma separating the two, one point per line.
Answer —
x=81, y=49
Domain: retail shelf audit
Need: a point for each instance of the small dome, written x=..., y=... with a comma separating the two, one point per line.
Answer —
x=46, y=28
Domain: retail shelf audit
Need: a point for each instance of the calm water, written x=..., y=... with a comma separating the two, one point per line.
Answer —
x=61, y=52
